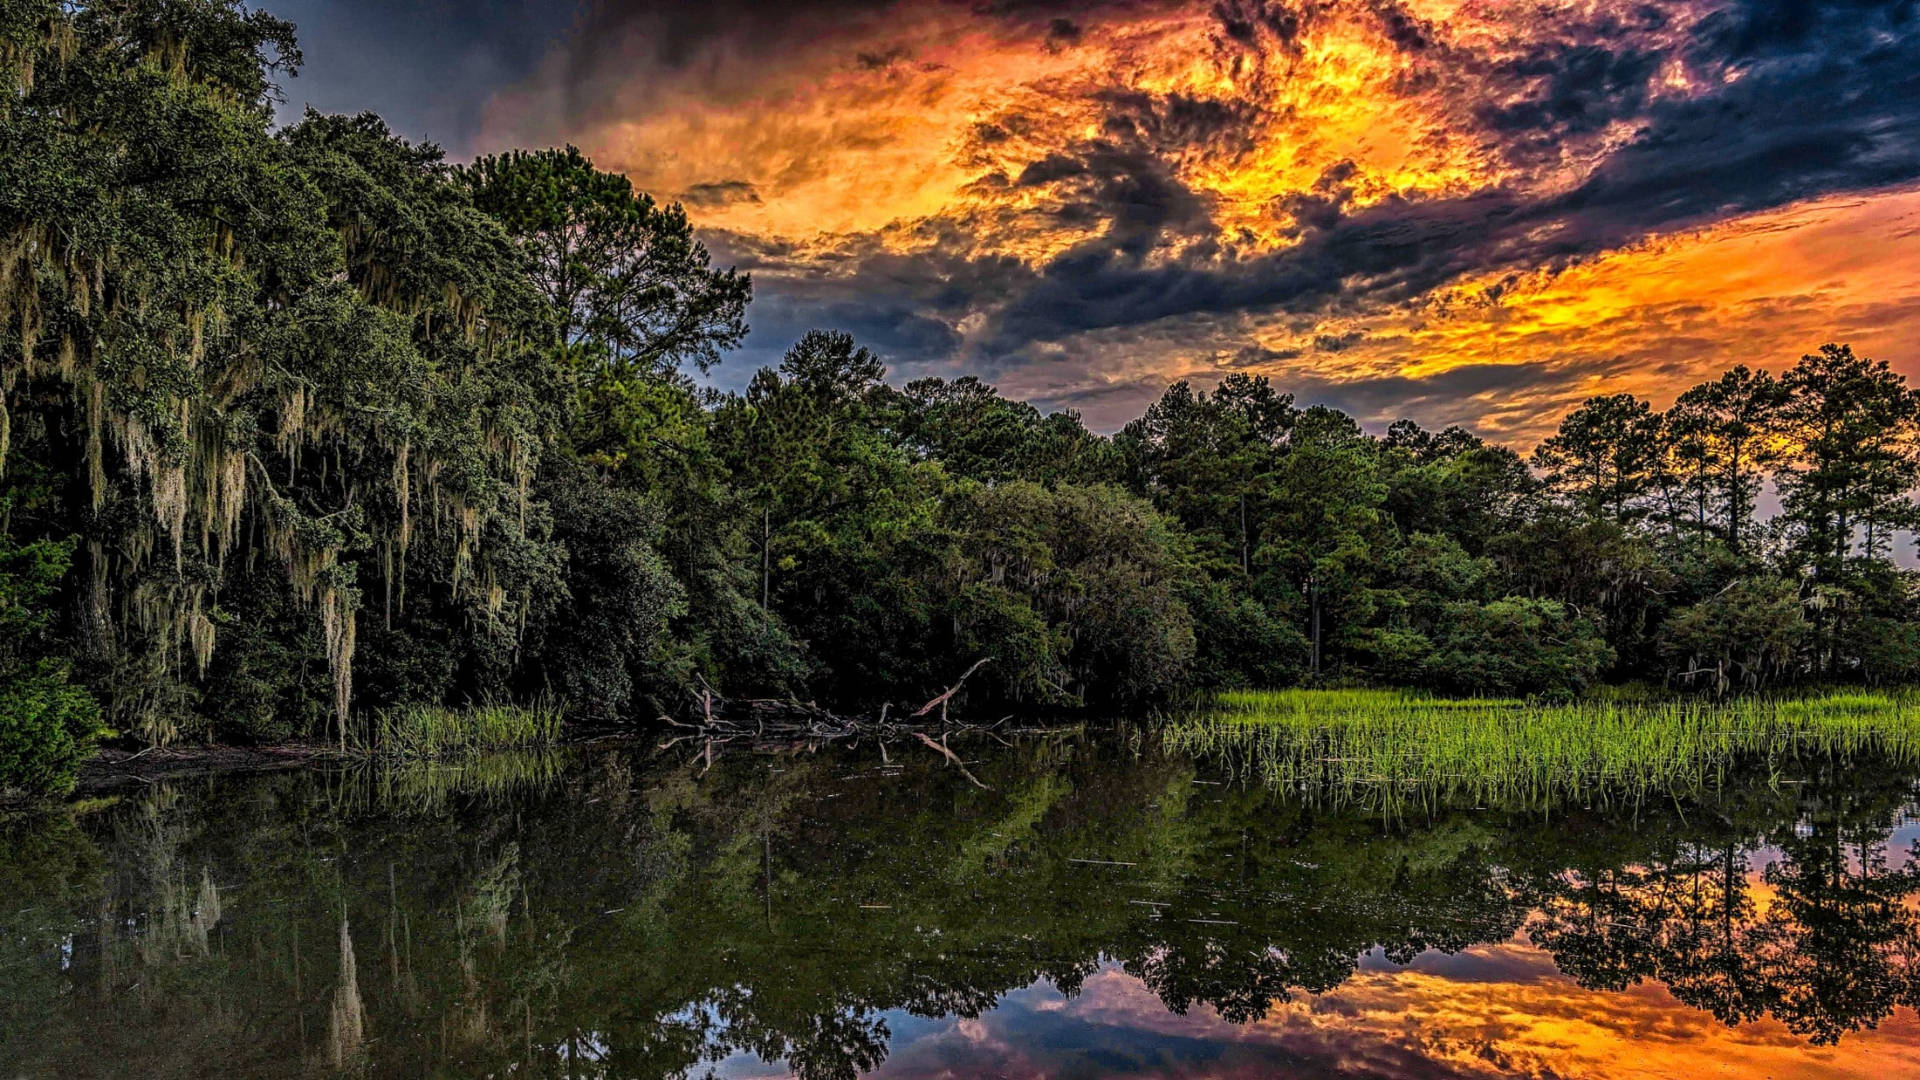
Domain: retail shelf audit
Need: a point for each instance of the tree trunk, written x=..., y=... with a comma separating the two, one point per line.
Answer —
x=1313, y=602
x=1246, y=553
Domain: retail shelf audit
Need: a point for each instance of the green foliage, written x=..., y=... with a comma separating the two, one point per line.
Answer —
x=628, y=286
x=47, y=723
x=433, y=731
x=1076, y=592
x=1514, y=645
x=1605, y=457
x=1393, y=749
x=348, y=428
x=1747, y=636
x=47, y=726
x=619, y=594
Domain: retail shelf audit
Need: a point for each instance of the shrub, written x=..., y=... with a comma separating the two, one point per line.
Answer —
x=47, y=727
x=47, y=724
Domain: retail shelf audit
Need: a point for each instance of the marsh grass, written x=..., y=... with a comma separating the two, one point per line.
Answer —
x=435, y=731
x=1402, y=749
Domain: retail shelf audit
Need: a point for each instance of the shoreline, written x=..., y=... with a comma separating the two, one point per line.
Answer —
x=115, y=769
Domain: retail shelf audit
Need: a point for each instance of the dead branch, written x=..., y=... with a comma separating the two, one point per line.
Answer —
x=951, y=690
x=954, y=758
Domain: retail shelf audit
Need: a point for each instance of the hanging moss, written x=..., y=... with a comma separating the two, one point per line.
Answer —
x=230, y=362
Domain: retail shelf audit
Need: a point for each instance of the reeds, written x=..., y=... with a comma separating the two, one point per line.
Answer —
x=436, y=731
x=1392, y=747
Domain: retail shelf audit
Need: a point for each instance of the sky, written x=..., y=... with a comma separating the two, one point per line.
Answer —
x=1458, y=211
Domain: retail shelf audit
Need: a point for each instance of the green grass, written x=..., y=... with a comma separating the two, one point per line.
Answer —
x=436, y=731
x=1399, y=748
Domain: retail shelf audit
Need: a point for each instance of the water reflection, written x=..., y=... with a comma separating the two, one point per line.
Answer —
x=1106, y=909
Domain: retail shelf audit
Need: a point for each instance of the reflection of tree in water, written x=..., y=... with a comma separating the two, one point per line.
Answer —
x=644, y=921
x=1826, y=944
x=1304, y=900
x=1837, y=949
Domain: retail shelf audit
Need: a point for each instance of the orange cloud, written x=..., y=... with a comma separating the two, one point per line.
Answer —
x=1651, y=319
x=1384, y=204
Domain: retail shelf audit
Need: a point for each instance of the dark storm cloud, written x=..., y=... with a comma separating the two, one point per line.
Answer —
x=1170, y=122
x=906, y=309
x=1784, y=100
x=427, y=66
x=720, y=193
x=1826, y=102
x=1444, y=397
x=626, y=45
x=1391, y=251
x=1120, y=184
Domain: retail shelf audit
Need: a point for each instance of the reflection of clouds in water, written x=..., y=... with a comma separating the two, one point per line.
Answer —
x=1482, y=963
x=1489, y=1011
x=744, y=1066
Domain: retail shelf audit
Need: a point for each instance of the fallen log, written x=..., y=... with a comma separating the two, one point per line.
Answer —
x=715, y=719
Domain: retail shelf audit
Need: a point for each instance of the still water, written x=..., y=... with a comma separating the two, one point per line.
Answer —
x=1103, y=907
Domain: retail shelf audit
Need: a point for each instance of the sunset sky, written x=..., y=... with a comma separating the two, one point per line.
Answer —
x=1459, y=211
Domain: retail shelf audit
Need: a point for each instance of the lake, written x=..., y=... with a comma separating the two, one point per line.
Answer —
x=1095, y=905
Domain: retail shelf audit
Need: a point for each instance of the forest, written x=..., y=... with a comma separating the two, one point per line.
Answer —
x=302, y=423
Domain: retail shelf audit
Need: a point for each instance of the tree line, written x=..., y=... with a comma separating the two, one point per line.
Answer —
x=303, y=422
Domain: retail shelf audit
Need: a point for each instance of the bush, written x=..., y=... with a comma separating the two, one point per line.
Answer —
x=1748, y=636
x=47, y=724
x=47, y=727
x=1515, y=646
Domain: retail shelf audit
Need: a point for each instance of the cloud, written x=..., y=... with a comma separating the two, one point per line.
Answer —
x=427, y=66
x=1084, y=198
x=719, y=193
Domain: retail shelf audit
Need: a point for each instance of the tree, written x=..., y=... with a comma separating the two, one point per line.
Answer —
x=1207, y=460
x=1453, y=484
x=631, y=289
x=1076, y=592
x=1326, y=515
x=1722, y=434
x=1854, y=430
x=1747, y=636
x=976, y=433
x=305, y=350
x=1605, y=457
x=1514, y=645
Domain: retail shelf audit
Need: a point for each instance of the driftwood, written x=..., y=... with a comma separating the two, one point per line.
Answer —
x=942, y=699
x=717, y=720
